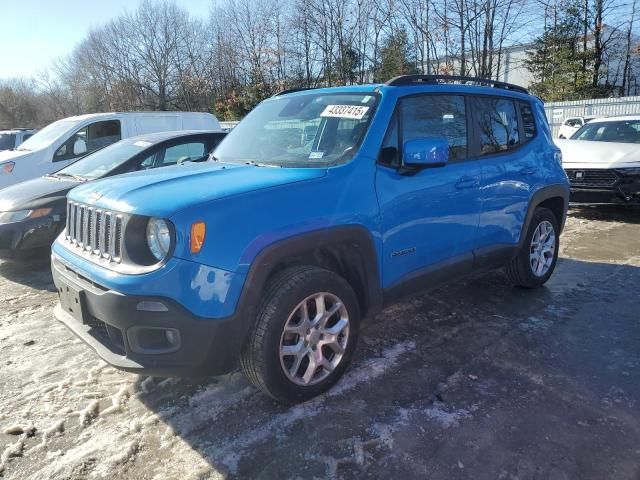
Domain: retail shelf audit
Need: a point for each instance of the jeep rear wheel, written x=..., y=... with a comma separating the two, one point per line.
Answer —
x=304, y=336
x=538, y=256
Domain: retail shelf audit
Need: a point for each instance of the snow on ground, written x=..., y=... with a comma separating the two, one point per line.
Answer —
x=469, y=378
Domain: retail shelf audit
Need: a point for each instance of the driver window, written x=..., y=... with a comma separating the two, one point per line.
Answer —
x=89, y=139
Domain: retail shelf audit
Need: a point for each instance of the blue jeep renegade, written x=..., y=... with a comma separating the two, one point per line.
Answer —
x=318, y=209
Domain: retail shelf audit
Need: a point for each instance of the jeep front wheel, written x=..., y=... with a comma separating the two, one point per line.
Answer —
x=305, y=334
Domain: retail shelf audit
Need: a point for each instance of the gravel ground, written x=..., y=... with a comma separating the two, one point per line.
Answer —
x=474, y=380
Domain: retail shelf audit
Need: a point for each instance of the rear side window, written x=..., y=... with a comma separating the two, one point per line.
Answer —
x=528, y=121
x=442, y=116
x=497, y=125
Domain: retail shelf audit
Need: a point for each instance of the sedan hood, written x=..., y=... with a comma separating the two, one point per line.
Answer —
x=35, y=193
x=164, y=191
x=587, y=154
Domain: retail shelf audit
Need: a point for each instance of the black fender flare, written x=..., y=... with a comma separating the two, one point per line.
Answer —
x=355, y=240
x=545, y=193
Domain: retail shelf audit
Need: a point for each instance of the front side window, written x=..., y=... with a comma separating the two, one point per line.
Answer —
x=186, y=152
x=89, y=139
x=442, y=116
x=626, y=131
x=7, y=141
x=307, y=130
x=497, y=125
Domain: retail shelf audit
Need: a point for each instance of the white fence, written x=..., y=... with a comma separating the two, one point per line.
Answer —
x=557, y=112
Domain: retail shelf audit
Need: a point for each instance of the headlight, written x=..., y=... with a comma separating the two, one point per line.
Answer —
x=158, y=238
x=629, y=171
x=19, y=215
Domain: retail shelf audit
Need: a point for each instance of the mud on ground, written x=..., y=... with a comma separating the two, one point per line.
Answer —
x=475, y=380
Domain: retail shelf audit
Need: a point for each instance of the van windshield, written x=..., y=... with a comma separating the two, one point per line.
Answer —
x=310, y=130
x=47, y=135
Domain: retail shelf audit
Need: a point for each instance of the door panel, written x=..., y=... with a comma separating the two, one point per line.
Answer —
x=508, y=169
x=431, y=215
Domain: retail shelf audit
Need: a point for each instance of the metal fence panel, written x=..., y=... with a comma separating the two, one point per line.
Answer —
x=558, y=112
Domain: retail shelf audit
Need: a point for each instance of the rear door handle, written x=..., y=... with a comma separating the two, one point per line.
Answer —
x=467, y=182
x=528, y=170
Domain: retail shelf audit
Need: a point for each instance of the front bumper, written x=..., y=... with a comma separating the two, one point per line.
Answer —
x=604, y=186
x=31, y=234
x=128, y=331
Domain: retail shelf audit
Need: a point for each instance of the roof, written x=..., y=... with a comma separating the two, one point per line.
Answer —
x=158, y=137
x=618, y=118
x=106, y=114
x=424, y=83
x=16, y=130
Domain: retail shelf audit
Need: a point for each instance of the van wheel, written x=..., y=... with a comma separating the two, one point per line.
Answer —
x=304, y=336
x=538, y=256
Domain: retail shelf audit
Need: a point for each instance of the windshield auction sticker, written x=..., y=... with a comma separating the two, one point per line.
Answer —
x=355, y=112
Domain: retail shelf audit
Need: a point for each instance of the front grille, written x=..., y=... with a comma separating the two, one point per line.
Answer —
x=96, y=232
x=595, y=177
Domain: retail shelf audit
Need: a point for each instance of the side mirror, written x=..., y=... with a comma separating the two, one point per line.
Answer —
x=426, y=152
x=79, y=147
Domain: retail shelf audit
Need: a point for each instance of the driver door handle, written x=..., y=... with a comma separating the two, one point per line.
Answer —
x=529, y=170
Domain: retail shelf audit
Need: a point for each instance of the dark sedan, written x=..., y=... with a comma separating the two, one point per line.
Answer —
x=33, y=213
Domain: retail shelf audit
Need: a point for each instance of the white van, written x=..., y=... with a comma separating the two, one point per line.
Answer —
x=65, y=141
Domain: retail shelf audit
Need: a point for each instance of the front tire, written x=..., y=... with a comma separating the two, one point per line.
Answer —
x=537, y=259
x=304, y=336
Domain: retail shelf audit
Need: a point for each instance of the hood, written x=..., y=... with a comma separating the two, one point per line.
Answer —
x=35, y=193
x=7, y=155
x=587, y=154
x=164, y=191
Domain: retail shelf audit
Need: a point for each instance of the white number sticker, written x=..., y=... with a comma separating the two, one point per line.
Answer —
x=355, y=112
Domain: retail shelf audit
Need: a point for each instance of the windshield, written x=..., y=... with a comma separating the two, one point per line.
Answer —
x=624, y=131
x=47, y=135
x=7, y=141
x=104, y=161
x=312, y=130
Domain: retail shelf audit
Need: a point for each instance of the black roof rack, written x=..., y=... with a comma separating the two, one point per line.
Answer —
x=292, y=90
x=435, y=79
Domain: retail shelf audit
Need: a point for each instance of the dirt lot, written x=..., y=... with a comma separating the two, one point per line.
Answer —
x=475, y=380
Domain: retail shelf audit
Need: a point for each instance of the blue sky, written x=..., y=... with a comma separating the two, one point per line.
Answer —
x=33, y=33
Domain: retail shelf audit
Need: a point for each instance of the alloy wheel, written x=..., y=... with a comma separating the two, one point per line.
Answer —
x=314, y=339
x=542, y=249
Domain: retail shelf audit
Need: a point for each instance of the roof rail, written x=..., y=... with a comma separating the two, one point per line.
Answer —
x=435, y=79
x=292, y=90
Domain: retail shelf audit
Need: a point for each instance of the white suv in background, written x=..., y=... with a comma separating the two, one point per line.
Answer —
x=65, y=141
x=11, y=139
x=571, y=125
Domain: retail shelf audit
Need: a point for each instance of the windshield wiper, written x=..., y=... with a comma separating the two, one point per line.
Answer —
x=68, y=175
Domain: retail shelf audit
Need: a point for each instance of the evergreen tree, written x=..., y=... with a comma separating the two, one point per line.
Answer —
x=396, y=57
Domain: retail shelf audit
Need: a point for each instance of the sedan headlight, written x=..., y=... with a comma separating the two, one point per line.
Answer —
x=629, y=171
x=20, y=215
x=158, y=238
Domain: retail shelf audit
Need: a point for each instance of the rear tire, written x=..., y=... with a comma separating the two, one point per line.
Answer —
x=537, y=258
x=304, y=335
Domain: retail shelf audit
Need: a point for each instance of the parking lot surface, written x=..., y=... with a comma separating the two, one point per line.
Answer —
x=474, y=380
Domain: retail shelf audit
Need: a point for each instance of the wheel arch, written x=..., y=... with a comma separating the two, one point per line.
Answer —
x=553, y=197
x=348, y=251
